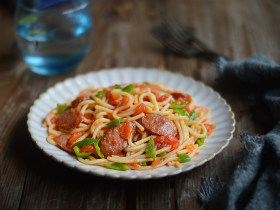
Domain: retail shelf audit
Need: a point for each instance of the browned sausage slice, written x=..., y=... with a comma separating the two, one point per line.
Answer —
x=158, y=124
x=113, y=142
x=78, y=100
x=184, y=96
x=62, y=140
x=69, y=120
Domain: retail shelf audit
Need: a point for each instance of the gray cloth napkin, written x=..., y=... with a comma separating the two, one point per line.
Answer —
x=255, y=183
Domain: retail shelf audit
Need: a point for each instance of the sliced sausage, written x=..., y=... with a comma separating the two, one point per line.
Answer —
x=184, y=96
x=78, y=100
x=113, y=143
x=69, y=120
x=62, y=140
x=158, y=125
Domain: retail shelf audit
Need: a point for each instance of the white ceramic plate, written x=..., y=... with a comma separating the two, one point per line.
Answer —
x=222, y=116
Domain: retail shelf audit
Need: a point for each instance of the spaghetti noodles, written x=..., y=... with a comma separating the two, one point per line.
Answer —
x=137, y=126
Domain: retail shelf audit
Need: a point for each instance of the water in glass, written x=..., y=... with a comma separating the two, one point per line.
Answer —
x=54, y=42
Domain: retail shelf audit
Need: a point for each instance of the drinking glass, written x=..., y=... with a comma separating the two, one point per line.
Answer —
x=53, y=35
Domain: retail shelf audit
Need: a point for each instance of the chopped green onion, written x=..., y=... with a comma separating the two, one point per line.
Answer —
x=90, y=141
x=117, y=86
x=182, y=112
x=97, y=148
x=117, y=166
x=85, y=142
x=150, y=150
x=179, y=108
x=100, y=94
x=81, y=154
x=162, y=154
x=200, y=141
x=115, y=122
x=175, y=105
x=61, y=108
x=147, y=83
x=192, y=115
x=184, y=158
x=128, y=89
x=27, y=19
x=146, y=163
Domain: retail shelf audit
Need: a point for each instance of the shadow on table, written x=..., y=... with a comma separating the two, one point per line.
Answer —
x=48, y=182
x=59, y=184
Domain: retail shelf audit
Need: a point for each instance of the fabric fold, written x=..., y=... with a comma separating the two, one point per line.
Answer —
x=255, y=183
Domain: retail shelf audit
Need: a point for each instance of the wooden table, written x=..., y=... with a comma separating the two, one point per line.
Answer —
x=29, y=179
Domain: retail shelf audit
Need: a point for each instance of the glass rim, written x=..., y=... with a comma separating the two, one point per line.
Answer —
x=63, y=12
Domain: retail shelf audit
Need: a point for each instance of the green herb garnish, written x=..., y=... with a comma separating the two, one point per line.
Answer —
x=81, y=154
x=128, y=89
x=192, y=117
x=61, y=108
x=200, y=141
x=115, y=122
x=162, y=154
x=150, y=150
x=176, y=105
x=184, y=158
x=182, y=112
x=117, y=86
x=100, y=94
x=85, y=142
x=97, y=148
x=143, y=164
x=179, y=108
x=117, y=166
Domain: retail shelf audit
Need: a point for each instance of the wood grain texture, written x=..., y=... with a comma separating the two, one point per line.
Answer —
x=121, y=37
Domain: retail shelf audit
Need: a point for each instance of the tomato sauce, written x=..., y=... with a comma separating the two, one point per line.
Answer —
x=54, y=120
x=135, y=165
x=141, y=108
x=73, y=139
x=126, y=130
x=114, y=99
x=89, y=116
x=209, y=128
x=89, y=148
x=156, y=162
x=166, y=141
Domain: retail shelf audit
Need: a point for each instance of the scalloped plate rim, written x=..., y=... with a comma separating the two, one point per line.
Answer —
x=119, y=174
